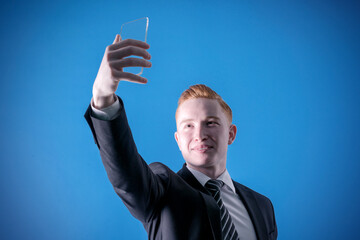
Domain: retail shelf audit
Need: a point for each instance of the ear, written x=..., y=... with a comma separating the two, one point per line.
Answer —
x=232, y=134
x=176, y=135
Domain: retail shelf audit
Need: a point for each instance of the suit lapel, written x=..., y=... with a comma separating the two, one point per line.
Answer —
x=212, y=208
x=214, y=215
x=253, y=209
x=185, y=174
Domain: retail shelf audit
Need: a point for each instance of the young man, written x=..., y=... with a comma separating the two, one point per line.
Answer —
x=201, y=201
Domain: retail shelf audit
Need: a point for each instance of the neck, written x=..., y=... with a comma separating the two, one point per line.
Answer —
x=211, y=172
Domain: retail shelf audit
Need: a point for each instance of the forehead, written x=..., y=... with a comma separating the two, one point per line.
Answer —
x=199, y=108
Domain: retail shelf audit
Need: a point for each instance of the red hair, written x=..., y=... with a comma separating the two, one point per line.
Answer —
x=203, y=91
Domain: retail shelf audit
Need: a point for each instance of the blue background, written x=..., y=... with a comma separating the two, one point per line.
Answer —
x=289, y=70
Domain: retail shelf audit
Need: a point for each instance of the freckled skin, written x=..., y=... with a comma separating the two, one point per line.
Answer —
x=203, y=135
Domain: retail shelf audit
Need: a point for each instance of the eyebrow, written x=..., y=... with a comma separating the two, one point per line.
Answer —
x=190, y=119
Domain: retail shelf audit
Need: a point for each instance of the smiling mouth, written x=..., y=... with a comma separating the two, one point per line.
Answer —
x=202, y=148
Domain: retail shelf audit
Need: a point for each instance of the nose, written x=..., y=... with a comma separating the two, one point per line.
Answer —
x=200, y=134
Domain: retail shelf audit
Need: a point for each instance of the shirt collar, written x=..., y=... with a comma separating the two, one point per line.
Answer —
x=202, y=178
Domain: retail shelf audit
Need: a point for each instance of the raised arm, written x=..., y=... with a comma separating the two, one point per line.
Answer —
x=133, y=180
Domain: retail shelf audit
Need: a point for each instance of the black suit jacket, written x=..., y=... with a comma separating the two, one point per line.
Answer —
x=170, y=205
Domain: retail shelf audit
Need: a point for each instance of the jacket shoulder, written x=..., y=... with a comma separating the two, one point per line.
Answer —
x=258, y=196
x=159, y=168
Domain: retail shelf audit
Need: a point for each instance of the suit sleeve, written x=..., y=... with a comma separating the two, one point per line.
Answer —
x=138, y=187
x=275, y=233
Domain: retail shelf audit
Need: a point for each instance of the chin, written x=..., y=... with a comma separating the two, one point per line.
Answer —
x=201, y=163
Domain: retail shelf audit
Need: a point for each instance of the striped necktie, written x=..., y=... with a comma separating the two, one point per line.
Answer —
x=227, y=225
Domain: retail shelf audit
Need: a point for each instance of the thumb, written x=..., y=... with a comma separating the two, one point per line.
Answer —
x=117, y=38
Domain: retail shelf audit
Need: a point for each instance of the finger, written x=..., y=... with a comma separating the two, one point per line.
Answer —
x=129, y=62
x=129, y=51
x=129, y=42
x=130, y=77
x=117, y=38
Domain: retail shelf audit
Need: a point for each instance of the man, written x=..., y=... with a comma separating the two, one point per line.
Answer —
x=201, y=201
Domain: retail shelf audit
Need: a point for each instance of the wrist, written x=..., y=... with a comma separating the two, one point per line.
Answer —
x=100, y=102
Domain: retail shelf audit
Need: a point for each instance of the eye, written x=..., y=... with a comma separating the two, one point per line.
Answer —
x=212, y=123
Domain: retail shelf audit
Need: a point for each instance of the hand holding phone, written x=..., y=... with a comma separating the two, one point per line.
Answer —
x=130, y=54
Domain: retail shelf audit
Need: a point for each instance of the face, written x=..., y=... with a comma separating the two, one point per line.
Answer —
x=203, y=135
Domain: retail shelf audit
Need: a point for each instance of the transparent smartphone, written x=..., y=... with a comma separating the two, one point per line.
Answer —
x=136, y=29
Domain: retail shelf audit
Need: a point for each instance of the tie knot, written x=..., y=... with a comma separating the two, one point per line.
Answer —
x=214, y=185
